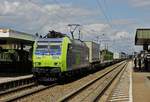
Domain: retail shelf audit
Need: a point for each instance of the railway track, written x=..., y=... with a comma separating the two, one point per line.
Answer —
x=23, y=92
x=93, y=90
x=32, y=90
x=12, y=84
x=19, y=88
x=122, y=90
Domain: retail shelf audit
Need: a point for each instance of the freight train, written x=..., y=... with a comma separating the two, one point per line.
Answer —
x=57, y=55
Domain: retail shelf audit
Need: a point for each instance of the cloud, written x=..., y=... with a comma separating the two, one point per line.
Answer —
x=115, y=39
x=99, y=27
x=140, y=3
x=91, y=31
x=67, y=9
x=124, y=22
x=17, y=8
x=105, y=32
x=121, y=35
x=35, y=17
x=8, y=8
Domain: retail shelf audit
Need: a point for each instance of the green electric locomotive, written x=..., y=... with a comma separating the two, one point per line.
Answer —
x=58, y=55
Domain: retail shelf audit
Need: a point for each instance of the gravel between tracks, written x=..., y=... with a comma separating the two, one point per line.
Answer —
x=54, y=93
x=90, y=93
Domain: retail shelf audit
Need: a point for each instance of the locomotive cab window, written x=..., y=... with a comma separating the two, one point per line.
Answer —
x=42, y=50
x=55, y=49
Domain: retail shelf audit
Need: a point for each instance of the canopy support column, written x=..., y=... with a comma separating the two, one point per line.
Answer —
x=145, y=47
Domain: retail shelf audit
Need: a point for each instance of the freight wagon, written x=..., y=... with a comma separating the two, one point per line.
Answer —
x=94, y=54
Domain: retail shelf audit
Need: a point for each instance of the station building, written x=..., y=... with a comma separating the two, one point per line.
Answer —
x=15, y=51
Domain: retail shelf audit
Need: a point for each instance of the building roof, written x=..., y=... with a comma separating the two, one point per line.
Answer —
x=142, y=36
x=12, y=36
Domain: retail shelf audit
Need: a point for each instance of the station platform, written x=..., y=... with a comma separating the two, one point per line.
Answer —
x=13, y=78
x=133, y=86
x=141, y=86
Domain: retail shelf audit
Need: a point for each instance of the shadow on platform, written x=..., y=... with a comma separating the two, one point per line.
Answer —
x=148, y=77
x=137, y=69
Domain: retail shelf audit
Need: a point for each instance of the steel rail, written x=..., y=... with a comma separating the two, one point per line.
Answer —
x=31, y=83
x=2, y=93
x=73, y=93
x=96, y=99
x=27, y=93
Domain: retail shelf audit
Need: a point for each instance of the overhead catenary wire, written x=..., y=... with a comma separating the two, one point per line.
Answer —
x=107, y=16
x=56, y=1
x=107, y=9
x=102, y=10
x=91, y=31
x=46, y=12
x=63, y=7
x=88, y=31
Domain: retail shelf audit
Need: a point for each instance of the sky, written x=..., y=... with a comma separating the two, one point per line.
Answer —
x=114, y=22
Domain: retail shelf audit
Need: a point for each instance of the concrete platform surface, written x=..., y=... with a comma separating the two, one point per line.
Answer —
x=11, y=78
x=141, y=86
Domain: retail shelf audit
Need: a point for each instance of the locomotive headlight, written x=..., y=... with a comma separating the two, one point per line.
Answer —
x=37, y=63
x=57, y=63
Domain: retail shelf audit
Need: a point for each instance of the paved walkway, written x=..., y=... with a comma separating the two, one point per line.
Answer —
x=123, y=90
x=141, y=86
x=7, y=79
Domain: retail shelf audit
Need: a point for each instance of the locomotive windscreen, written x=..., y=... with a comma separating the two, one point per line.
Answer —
x=50, y=48
x=42, y=50
x=55, y=50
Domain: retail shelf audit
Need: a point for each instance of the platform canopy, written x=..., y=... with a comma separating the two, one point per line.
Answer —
x=12, y=36
x=142, y=37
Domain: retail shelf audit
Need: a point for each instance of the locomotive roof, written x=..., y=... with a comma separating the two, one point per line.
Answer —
x=54, y=34
x=50, y=39
x=73, y=41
